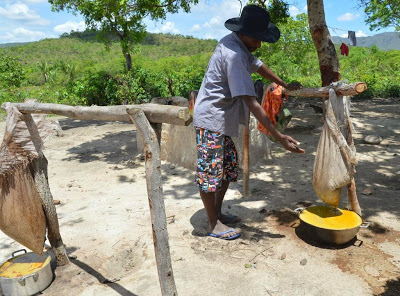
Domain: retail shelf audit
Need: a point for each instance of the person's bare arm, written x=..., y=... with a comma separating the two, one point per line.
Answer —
x=286, y=141
x=267, y=73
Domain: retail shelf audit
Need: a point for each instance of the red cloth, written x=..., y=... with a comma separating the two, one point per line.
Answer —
x=344, y=49
x=272, y=103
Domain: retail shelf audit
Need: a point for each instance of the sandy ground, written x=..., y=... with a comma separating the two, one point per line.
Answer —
x=98, y=175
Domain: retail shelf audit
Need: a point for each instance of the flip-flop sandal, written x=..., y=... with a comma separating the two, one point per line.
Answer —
x=219, y=235
x=231, y=219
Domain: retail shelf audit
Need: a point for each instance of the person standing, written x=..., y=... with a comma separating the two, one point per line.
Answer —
x=225, y=96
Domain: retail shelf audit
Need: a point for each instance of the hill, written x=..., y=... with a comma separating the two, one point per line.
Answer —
x=384, y=41
x=12, y=44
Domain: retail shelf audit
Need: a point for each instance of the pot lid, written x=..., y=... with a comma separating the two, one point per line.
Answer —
x=328, y=217
x=23, y=265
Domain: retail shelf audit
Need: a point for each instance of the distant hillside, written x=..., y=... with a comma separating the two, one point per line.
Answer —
x=13, y=44
x=384, y=41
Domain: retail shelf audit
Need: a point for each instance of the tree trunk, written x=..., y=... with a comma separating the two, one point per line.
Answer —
x=128, y=60
x=328, y=59
x=170, y=83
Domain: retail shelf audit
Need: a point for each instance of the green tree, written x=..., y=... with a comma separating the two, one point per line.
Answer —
x=11, y=72
x=381, y=13
x=278, y=9
x=122, y=18
x=48, y=72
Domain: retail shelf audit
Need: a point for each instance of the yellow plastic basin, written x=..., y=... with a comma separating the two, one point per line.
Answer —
x=330, y=218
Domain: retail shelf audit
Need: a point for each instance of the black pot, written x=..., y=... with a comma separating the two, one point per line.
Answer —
x=335, y=232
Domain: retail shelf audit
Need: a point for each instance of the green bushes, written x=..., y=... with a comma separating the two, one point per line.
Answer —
x=11, y=72
x=74, y=72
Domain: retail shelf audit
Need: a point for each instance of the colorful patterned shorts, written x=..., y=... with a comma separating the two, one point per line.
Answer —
x=216, y=160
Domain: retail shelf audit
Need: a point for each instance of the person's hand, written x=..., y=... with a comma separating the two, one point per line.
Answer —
x=294, y=85
x=290, y=144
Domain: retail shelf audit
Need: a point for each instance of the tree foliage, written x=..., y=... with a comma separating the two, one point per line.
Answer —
x=382, y=13
x=11, y=71
x=123, y=18
x=278, y=9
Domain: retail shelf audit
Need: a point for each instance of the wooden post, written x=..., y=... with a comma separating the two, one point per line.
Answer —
x=352, y=195
x=53, y=229
x=246, y=177
x=40, y=175
x=246, y=160
x=156, y=201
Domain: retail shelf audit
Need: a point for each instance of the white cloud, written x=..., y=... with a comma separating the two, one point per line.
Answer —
x=195, y=28
x=169, y=27
x=35, y=1
x=69, y=26
x=305, y=8
x=359, y=33
x=22, y=35
x=22, y=13
x=293, y=10
x=348, y=17
x=214, y=22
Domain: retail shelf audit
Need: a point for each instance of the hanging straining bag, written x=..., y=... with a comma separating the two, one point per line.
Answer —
x=335, y=159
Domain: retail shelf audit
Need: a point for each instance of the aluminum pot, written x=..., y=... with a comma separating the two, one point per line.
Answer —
x=31, y=283
x=331, y=225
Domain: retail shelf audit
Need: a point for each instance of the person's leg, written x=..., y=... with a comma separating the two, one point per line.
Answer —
x=215, y=226
x=209, y=175
x=219, y=198
x=230, y=174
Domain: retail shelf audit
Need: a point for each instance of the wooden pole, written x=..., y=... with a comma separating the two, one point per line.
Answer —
x=340, y=90
x=246, y=160
x=246, y=176
x=39, y=167
x=53, y=228
x=156, y=201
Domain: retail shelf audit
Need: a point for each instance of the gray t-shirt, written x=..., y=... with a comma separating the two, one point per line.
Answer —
x=219, y=106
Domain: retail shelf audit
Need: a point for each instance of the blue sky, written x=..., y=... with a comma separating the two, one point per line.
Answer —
x=32, y=20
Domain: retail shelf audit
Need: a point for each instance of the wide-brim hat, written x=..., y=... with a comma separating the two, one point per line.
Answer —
x=254, y=22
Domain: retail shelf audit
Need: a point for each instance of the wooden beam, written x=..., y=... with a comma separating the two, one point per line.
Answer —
x=154, y=112
x=149, y=134
x=340, y=90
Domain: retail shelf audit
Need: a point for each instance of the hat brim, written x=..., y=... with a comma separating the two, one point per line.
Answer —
x=271, y=35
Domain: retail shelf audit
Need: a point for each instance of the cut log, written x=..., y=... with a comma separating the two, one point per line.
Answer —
x=150, y=136
x=341, y=90
x=155, y=113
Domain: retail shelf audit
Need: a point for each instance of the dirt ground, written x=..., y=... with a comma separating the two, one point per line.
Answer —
x=98, y=175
